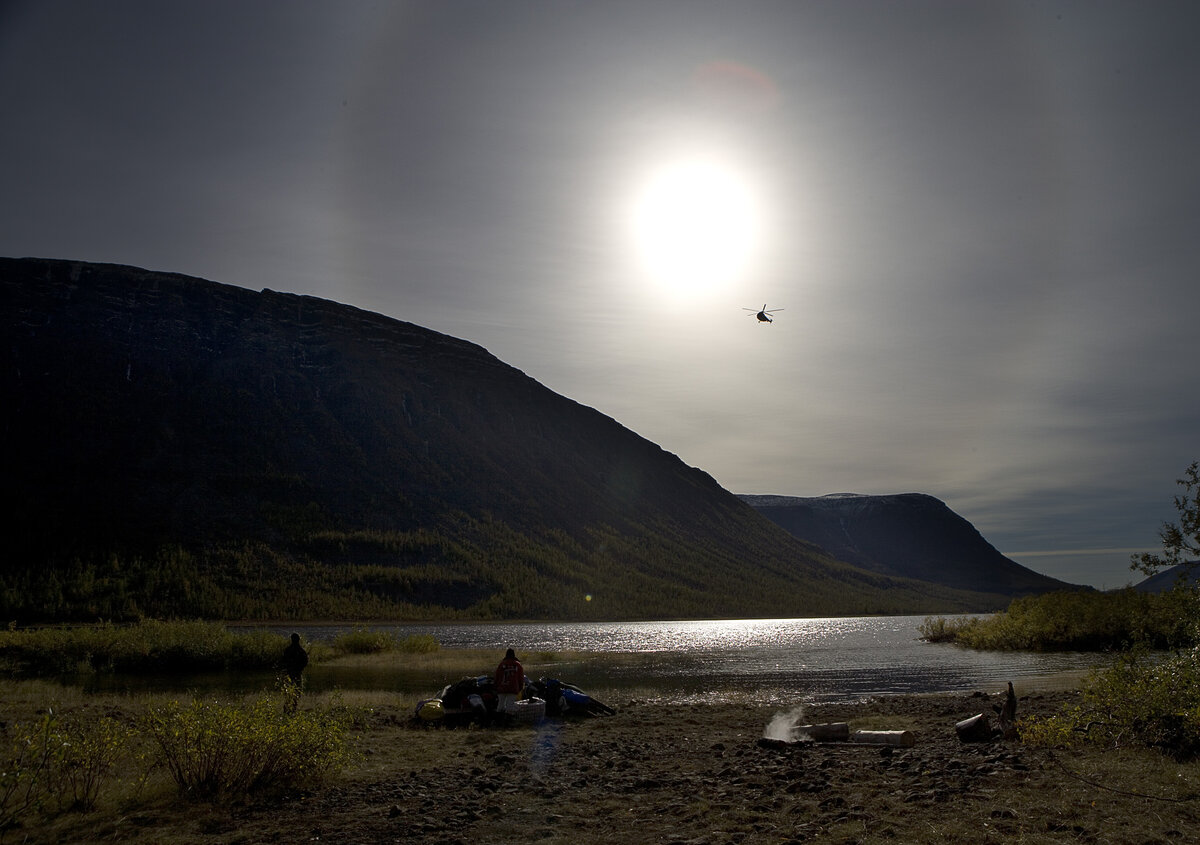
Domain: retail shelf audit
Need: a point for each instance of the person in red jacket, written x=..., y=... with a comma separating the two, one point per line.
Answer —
x=510, y=682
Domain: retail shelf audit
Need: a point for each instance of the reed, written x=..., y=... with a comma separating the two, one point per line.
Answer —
x=374, y=641
x=146, y=647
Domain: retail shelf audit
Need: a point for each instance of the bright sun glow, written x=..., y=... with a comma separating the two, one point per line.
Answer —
x=696, y=226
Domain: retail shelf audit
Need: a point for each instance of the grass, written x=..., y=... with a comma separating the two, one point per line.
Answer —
x=155, y=647
x=143, y=803
x=374, y=641
x=147, y=647
x=65, y=753
x=128, y=790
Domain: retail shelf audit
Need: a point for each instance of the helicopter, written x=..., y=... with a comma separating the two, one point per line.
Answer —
x=763, y=315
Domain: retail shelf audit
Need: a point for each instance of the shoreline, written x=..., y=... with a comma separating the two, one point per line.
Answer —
x=687, y=774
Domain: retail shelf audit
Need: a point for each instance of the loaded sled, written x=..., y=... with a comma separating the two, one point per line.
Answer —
x=563, y=699
x=474, y=700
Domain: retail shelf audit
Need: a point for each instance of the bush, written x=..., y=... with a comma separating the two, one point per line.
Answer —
x=419, y=644
x=213, y=749
x=63, y=759
x=364, y=641
x=1139, y=700
x=86, y=752
x=148, y=646
x=1079, y=621
x=943, y=630
x=28, y=753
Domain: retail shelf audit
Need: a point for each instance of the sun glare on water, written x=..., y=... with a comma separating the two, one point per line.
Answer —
x=696, y=226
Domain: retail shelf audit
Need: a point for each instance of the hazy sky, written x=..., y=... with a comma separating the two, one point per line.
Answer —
x=981, y=219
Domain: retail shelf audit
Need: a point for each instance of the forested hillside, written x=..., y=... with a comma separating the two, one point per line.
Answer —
x=178, y=447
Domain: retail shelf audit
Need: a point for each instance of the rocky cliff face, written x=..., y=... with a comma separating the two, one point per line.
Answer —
x=909, y=535
x=144, y=409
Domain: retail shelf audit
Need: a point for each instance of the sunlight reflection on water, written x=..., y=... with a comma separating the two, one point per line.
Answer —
x=769, y=661
x=775, y=662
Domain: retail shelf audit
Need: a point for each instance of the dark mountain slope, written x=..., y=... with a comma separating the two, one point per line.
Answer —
x=909, y=535
x=178, y=446
x=1160, y=582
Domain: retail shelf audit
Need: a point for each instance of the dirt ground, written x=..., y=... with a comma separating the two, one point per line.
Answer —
x=699, y=774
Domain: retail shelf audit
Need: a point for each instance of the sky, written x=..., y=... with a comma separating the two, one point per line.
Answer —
x=977, y=223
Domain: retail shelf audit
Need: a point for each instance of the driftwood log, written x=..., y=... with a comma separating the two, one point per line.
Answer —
x=825, y=732
x=839, y=732
x=980, y=728
x=903, y=739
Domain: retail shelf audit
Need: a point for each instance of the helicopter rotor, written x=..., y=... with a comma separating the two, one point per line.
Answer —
x=763, y=314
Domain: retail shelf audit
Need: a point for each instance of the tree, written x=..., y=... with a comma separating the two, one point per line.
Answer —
x=1181, y=542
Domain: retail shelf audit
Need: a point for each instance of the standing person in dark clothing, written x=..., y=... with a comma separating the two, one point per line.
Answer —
x=510, y=681
x=295, y=658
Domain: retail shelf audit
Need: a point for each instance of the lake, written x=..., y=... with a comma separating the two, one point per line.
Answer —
x=771, y=661
x=764, y=661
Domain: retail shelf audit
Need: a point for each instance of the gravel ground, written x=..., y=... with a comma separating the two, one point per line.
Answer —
x=695, y=774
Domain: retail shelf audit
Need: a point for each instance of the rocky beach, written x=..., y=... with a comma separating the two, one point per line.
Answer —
x=697, y=774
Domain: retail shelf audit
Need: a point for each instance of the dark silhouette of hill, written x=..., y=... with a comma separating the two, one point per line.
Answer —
x=175, y=446
x=1160, y=582
x=909, y=535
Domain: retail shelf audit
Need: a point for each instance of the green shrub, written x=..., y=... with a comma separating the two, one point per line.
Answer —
x=255, y=650
x=943, y=630
x=213, y=748
x=25, y=770
x=86, y=752
x=1139, y=700
x=148, y=646
x=419, y=644
x=67, y=759
x=1080, y=621
x=364, y=641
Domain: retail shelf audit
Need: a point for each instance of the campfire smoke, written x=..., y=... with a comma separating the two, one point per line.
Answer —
x=782, y=726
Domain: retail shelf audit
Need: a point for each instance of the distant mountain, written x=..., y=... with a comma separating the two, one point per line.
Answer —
x=1160, y=582
x=174, y=446
x=909, y=535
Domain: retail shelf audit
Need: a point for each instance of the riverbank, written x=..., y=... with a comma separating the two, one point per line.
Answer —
x=686, y=774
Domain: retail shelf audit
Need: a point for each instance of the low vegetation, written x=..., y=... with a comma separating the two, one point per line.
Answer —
x=1142, y=700
x=1078, y=621
x=375, y=641
x=214, y=748
x=65, y=759
x=1088, y=621
x=146, y=647
x=180, y=646
x=691, y=773
x=1150, y=695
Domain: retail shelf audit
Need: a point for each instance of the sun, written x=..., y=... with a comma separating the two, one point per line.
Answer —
x=695, y=225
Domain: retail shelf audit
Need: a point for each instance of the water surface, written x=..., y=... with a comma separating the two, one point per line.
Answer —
x=774, y=661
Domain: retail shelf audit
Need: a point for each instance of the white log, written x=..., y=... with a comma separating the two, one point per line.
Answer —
x=825, y=732
x=904, y=739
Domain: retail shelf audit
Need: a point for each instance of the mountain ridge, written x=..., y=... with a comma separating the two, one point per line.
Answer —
x=913, y=535
x=195, y=448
